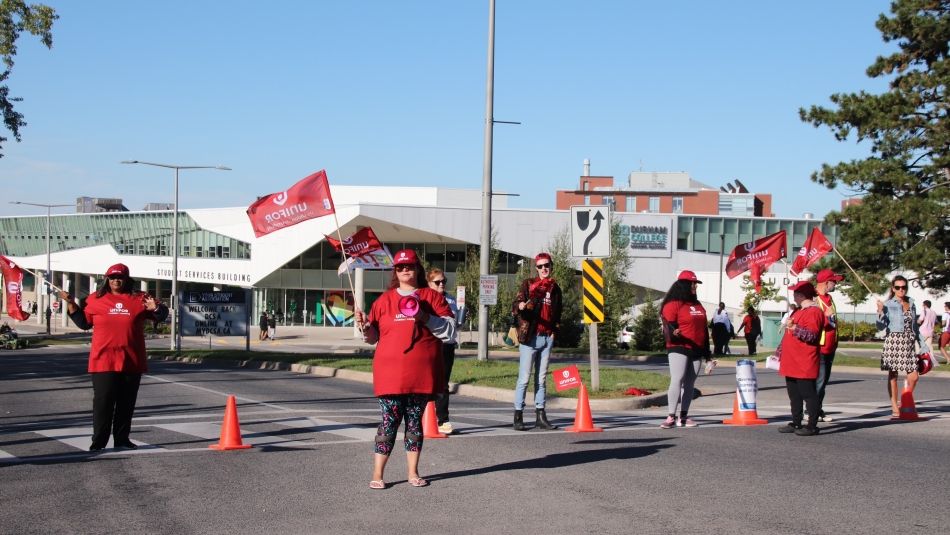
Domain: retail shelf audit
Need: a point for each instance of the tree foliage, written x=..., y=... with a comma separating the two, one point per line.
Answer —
x=16, y=16
x=902, y=220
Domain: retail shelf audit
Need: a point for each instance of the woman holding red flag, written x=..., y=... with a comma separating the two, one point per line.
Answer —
x=408, y=322
x=687, y=344
x=116, y=314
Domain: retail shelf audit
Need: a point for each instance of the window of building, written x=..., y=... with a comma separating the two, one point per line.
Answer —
x=654, y=205
x=631, y=203
x=677, y=205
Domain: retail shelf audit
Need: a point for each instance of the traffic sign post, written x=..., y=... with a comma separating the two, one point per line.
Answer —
x=590, y=231
x=592, y=277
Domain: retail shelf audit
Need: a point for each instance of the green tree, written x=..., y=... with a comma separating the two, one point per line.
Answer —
x=16, y=16
x=902, y=219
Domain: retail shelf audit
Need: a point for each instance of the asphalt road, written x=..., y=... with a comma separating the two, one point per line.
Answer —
x=311, y=463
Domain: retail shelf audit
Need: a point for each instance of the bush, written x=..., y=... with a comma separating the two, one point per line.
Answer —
x=862, y=331
x=647, y=329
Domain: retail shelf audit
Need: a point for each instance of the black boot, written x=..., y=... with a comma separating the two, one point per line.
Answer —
x=519, y=421
x=542, y=420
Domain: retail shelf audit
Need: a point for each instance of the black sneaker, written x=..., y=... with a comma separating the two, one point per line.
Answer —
x=806, y=431
x=790, y=428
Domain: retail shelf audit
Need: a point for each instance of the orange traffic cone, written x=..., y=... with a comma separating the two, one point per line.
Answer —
x=908, y=408
x=583, y=423
x=743, y=417
x=230, y=429
x=430, y=426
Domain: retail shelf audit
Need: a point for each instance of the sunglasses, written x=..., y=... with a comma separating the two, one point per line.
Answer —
x=901, y=287
x=405, y=267
x=544, y=266
x=439, y=282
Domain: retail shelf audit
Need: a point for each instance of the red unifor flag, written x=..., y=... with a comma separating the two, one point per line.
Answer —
x=756, y=256
x=364, y=241
x=305, y=200
x=815, y=247
x=13, y=288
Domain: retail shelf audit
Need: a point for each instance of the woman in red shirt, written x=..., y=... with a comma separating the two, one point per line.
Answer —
x=408, y=323
x=798, y=358
x=116, y=314
x=687, y=343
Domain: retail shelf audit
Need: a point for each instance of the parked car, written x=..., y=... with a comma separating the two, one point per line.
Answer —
x=625, y=337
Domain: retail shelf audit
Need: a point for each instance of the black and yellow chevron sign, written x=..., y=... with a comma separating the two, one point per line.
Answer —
x=593, y=279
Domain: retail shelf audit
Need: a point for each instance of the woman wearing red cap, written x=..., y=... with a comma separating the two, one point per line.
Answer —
x=408, y=323
x=116, y=314
x=687, y=344
x=537, y=311
x=798, y=354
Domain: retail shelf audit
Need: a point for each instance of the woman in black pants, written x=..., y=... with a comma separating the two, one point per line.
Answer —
x=116, y=314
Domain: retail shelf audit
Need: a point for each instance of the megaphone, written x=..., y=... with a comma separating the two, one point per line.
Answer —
x=409, y=305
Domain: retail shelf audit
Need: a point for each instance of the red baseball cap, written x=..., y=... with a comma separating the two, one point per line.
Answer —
x=118, y=269
x=405, y=256
x=826, y=275
x=687, y=275
x=805, y=288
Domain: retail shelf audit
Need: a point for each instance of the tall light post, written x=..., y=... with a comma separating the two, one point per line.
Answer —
x=176, y=341
x=49, y=270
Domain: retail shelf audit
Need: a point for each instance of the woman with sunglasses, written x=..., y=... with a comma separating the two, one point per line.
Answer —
x=537, y=311
x=408, y=322
x=116, y=314
x=438, y=282
x=898, y=316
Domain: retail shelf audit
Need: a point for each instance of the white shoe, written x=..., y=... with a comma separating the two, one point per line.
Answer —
x=446, y=428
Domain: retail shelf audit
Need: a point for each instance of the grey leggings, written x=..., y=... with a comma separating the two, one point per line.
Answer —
x=683, y=372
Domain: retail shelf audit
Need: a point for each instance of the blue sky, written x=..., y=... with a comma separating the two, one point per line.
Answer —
x=393, y=93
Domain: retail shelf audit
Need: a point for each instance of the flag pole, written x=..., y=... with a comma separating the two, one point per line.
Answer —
x=835, y=249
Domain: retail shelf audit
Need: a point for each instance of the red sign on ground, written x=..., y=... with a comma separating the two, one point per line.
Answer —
x=566, y=378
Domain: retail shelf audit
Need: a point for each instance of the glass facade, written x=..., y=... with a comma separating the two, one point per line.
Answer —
x=702, y=233
x=130, y=233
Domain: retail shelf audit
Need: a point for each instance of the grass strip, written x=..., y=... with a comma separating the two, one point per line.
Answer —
x=470, y=371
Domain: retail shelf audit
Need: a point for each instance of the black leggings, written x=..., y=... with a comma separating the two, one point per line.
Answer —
x=113, y=403
x=803, y=390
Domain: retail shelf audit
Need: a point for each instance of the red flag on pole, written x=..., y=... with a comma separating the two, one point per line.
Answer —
x=815, y=247
x=364, y=241
x=756, y=256
x=13, y=288
x=305, y=200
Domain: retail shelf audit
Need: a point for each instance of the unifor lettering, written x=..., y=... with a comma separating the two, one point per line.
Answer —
x=277, y=215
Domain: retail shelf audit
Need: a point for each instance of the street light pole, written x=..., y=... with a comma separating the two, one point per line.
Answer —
x=176, y=339
x=49, y=268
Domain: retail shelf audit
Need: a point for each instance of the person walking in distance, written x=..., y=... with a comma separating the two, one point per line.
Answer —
x=927, y=320
x=826, y=280
x=798, y=359
x=537, y=310
x=898, y=317
x=687, y=344
x=116, y=314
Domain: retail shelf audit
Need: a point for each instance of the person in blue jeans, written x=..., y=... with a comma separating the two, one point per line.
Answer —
x=537, y=312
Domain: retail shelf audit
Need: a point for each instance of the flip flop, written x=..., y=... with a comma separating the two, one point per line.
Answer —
x=377, y=484
x=418, y=482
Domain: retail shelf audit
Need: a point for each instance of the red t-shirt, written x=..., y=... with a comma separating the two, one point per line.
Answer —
x=408, y=358
x=118, y=336
x=799, y=349
x=691, y=320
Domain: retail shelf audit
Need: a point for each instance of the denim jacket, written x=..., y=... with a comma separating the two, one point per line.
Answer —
x=892, y=318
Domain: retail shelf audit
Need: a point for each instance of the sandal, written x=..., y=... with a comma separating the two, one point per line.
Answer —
x=418, y=482
x=377, y=484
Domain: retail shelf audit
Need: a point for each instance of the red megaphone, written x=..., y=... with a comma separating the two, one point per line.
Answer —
x=409, y=305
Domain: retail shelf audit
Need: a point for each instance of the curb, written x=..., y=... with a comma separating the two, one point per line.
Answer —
x=472, y=391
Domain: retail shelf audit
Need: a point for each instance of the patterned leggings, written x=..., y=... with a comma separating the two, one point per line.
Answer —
x=394, y=409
